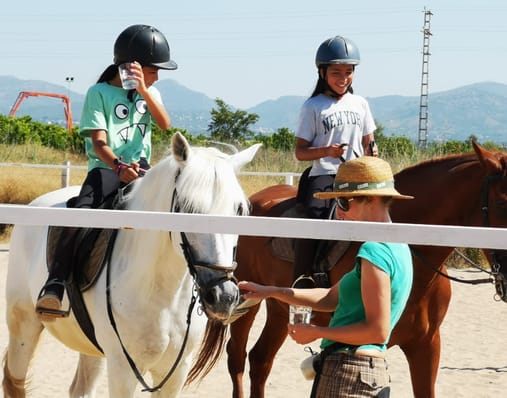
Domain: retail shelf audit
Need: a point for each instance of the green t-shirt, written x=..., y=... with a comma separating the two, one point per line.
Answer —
x=393, y=258
x=127, y=123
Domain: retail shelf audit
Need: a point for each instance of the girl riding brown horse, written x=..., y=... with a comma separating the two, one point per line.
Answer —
x=467, y=190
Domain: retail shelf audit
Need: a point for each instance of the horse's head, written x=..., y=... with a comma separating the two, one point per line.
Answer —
x=494, y=210
x=206, y=183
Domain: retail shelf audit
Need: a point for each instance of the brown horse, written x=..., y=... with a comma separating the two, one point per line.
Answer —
x=466, y=190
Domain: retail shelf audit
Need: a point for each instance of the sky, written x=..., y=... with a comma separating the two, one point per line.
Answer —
x=247, y=52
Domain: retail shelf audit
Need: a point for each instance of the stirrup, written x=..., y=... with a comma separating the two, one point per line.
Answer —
x=49, y=304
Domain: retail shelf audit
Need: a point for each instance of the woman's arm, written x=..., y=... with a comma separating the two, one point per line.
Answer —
x=376, y=295
x=324, y=300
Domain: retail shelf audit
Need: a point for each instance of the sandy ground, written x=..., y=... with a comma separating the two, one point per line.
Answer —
x=473, y=363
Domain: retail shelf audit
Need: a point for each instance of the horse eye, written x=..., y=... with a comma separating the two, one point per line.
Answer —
x=240, y=212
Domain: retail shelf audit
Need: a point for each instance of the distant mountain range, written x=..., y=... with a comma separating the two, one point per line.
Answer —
x=479, y=109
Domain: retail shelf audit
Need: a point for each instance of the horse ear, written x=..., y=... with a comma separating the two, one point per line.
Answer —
x=488, y=160
x=241, y=158
x=180, y=147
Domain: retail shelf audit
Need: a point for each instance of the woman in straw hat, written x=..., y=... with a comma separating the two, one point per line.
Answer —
x=367, y=302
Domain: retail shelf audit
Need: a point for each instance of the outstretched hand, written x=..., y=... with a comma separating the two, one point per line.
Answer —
x=252, y=290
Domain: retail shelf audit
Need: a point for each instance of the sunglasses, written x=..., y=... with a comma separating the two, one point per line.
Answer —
x=344, y=203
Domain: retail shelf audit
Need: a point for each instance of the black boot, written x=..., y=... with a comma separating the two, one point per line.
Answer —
x=49, y=301
x=304, y=257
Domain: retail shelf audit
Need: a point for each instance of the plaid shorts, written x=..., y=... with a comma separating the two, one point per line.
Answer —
x=348, y=375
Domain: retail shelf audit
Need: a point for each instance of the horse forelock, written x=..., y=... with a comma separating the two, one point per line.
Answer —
x=207, y=184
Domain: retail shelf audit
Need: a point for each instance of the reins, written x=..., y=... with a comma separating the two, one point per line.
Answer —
x=429, y=264
x=131, y=362
x=495, y=276
x=192, y=266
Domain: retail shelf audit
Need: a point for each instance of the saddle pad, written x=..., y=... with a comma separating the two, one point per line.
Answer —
x=329, y=252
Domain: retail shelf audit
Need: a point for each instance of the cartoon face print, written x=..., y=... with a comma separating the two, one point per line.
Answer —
x=122, y=112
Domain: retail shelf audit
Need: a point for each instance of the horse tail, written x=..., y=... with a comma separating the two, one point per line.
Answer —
x=12, y=387
x=211, y=349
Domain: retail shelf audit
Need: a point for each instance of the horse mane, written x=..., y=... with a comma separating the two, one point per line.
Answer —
x=208, y=167
x=203, y=183
x=206, y=172
x=447, y=162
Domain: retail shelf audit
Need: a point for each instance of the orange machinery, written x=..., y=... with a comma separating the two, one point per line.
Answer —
x=65, y=99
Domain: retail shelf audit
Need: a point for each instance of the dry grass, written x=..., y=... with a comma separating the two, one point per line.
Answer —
x=20, y=185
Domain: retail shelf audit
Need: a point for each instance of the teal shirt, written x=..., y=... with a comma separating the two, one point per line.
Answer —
x=127, y=123
x=395, y=260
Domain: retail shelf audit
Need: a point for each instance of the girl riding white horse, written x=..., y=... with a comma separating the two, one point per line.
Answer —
x=148, y=287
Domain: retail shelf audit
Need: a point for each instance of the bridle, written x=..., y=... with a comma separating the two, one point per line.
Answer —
x=499, y=278
x=200, y=286
x=194, y=266
x=496, y=276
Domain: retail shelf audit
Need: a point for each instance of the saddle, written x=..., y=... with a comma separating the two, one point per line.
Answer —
x=89, y=256
x=328, y=251
x=92, y=249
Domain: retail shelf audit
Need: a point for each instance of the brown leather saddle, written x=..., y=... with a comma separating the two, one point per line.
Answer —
x=89, y=255
x=328, y=252
x=93, y=247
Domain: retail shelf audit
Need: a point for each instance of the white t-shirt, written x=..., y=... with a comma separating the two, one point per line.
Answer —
x=324, y=121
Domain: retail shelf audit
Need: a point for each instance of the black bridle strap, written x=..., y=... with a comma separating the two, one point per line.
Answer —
x=425, y=261
x=131, y=362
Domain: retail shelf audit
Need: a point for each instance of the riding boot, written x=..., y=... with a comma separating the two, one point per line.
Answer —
x=49, y=302
x=304, y=257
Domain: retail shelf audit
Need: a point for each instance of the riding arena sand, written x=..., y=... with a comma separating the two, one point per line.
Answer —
x=473, y=359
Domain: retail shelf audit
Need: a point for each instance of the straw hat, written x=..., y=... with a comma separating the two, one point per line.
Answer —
x=364, y=176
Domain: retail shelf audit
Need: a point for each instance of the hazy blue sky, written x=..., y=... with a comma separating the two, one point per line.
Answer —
x=248, y=52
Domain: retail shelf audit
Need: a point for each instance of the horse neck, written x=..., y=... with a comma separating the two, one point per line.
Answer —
x=149, y=256
x=147, y=262
x=446, y=191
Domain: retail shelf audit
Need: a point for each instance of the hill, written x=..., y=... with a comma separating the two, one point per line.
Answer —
x=477, y=109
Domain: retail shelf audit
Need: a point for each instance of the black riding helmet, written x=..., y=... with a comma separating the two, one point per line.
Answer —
x=336, y=50
x=144, y=44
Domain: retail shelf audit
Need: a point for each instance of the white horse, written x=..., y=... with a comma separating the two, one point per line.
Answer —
x=149, y=287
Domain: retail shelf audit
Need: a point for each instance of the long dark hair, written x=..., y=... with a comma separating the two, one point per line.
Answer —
x=322, y=85
x=108, y=74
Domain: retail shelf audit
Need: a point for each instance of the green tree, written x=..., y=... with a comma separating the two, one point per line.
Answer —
x=230, y=126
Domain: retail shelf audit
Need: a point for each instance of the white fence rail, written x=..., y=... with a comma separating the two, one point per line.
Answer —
x=435, y=235
x=66, y=168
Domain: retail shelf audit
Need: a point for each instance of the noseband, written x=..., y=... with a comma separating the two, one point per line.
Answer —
x=227, y=273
